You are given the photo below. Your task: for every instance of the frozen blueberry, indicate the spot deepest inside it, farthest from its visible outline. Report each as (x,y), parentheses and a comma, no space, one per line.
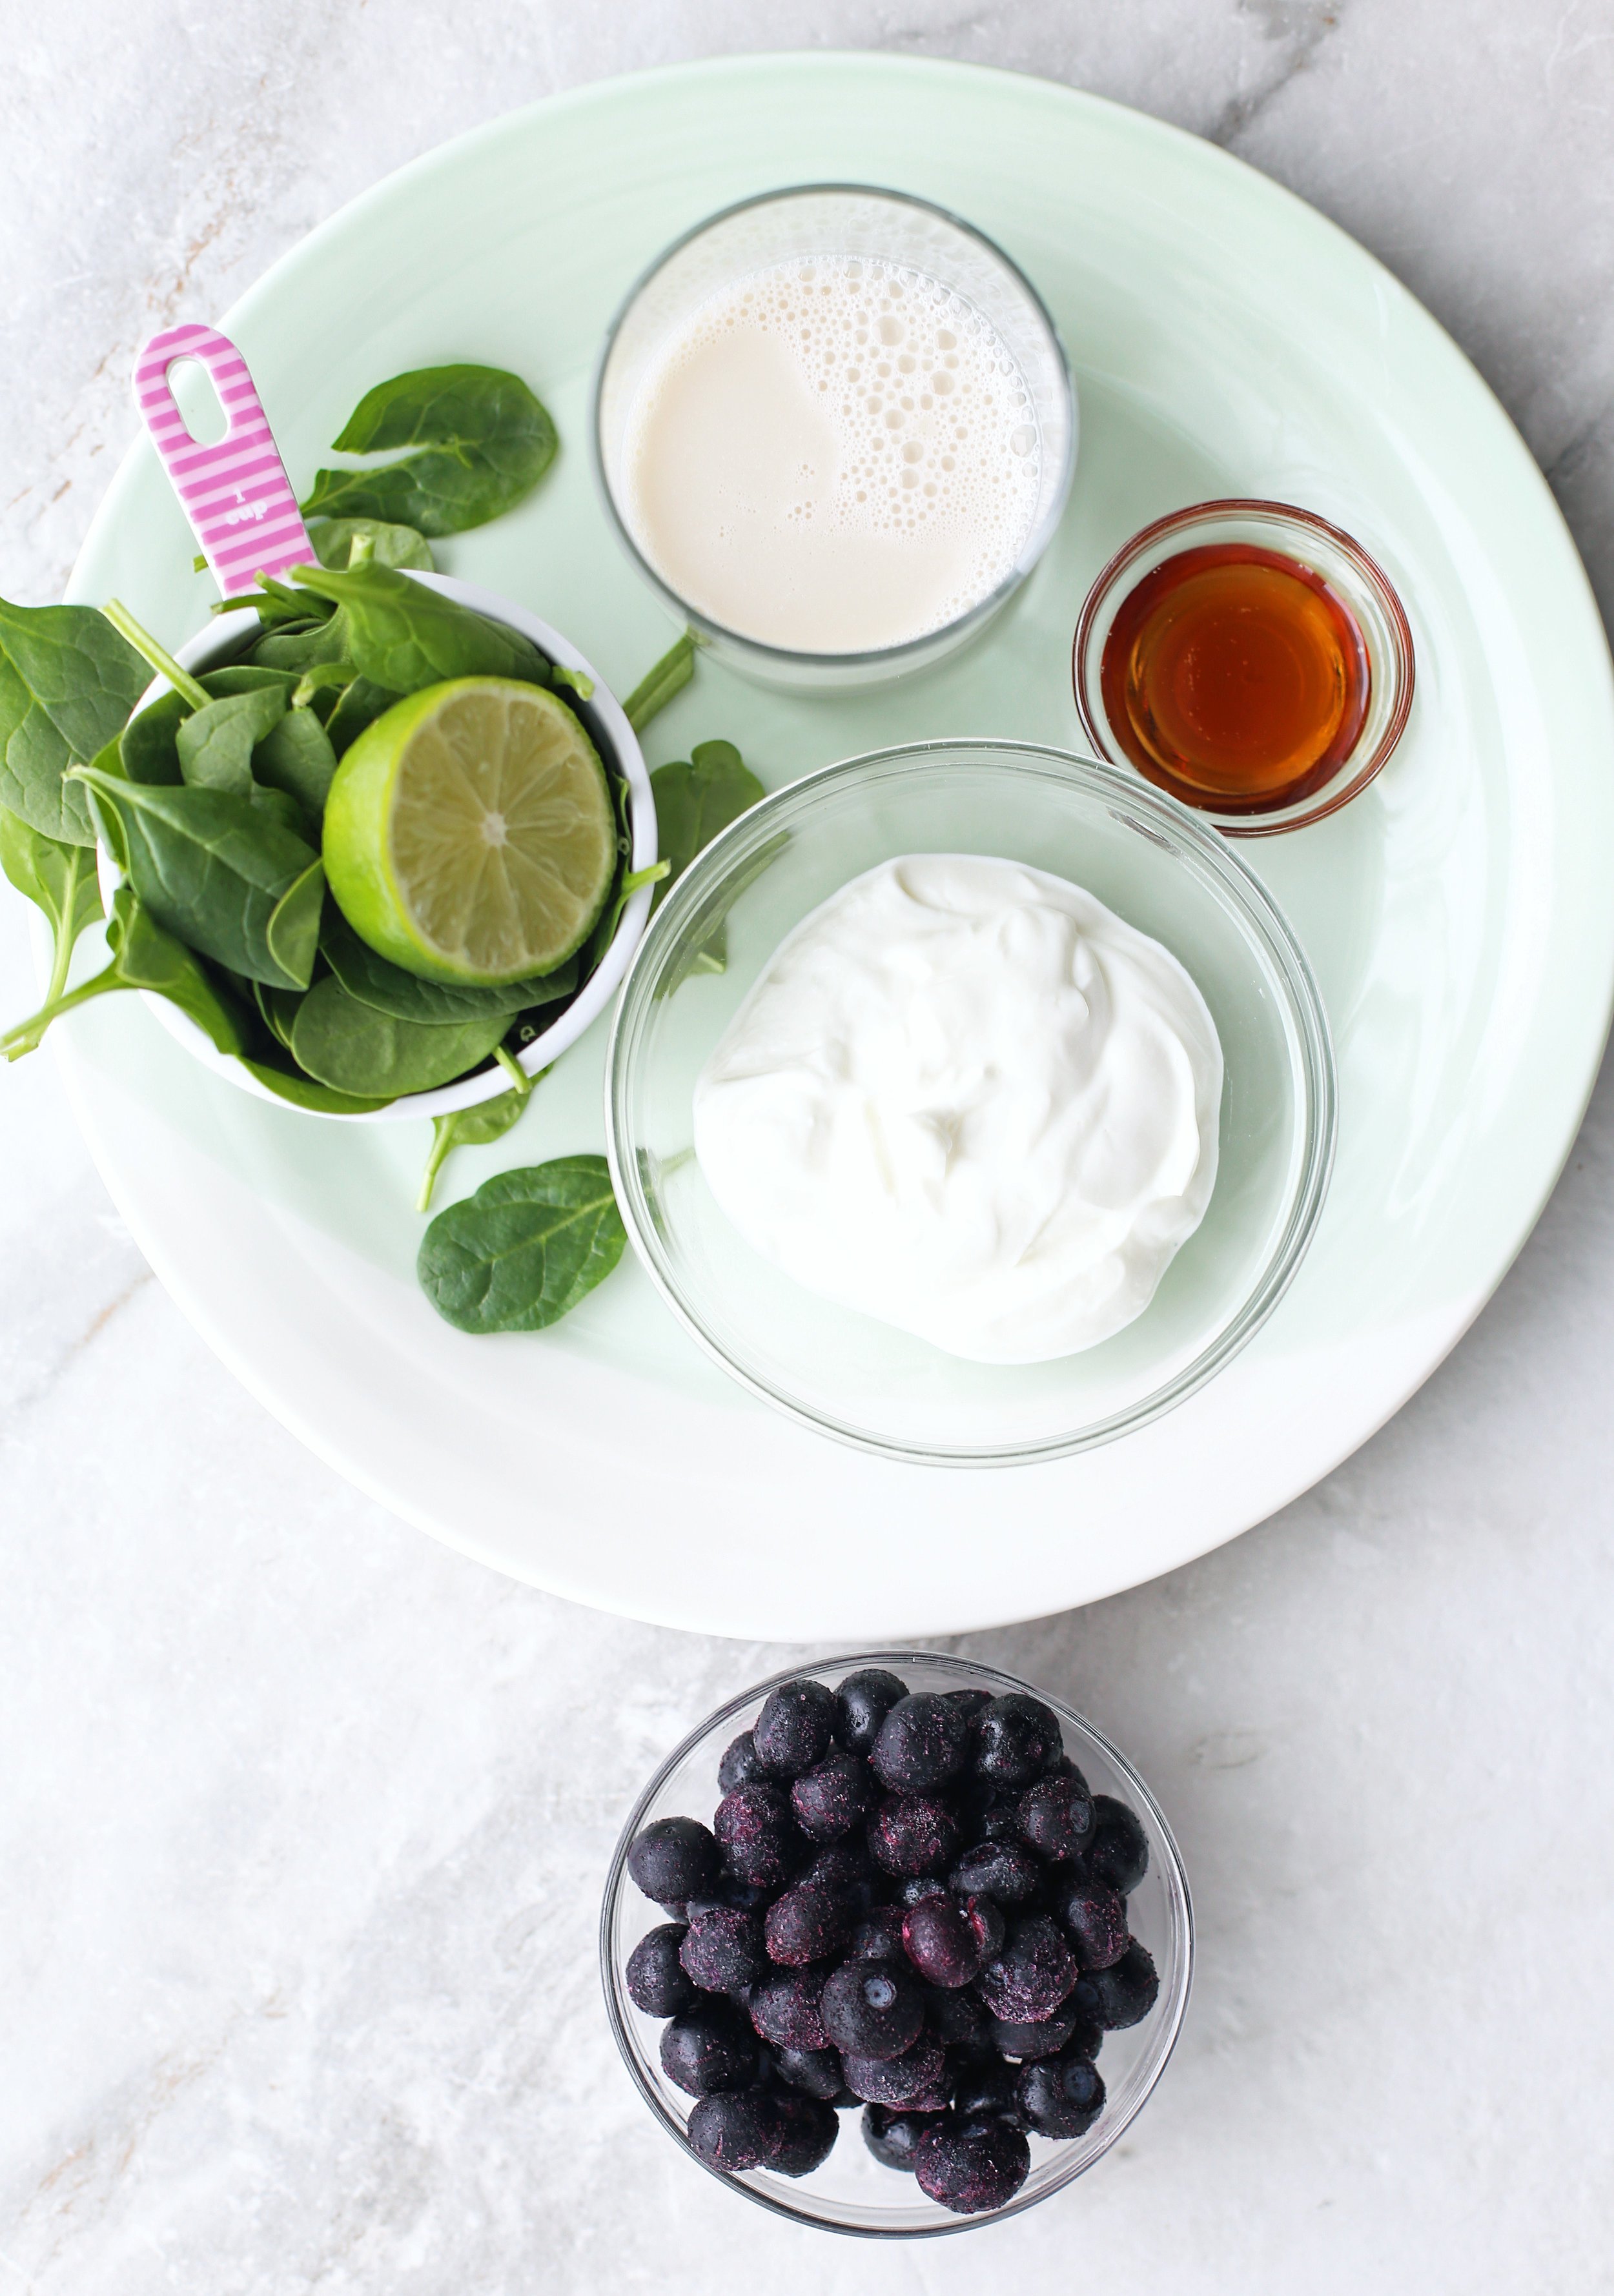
(829,1799)
(737,2129)
(1060,2096)
(1045,2037)
(972,2166)
(808,2129)
(1118,1851)
(673,1860)
(1095,1916)
(987,2091)
(893,2137)
(922,1741)
(657,1980)
(709,2047)
(999,1824)
(862,1704)
(1004,1870)
(913,1833)
(808,1923)
(972,1704)
(729,1894)
(1015,1739)
(758,1836)
(1122,1995)
(791,1735)
(918,1887)
(950,1940)
(783,2004)
(957,2018)
(722,1950)
(844,1866)
(741,1765)
(817,2072)
(1032,1975)
(878,1937)
(912,2079)
(937,2092)
(873,2008)
(1056,1814)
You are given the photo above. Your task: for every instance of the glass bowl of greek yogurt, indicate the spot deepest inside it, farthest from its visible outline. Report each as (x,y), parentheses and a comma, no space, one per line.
(970,1102)
(834,428)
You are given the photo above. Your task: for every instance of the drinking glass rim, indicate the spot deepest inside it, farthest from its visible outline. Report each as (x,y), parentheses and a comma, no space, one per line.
(1035,543)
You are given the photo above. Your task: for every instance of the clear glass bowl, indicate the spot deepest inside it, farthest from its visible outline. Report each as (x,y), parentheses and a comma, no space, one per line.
(815,220)
(852,2192)
(1349,570)
(1158,866)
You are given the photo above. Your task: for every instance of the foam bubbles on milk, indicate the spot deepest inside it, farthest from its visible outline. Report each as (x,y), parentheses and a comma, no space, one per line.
(935,445)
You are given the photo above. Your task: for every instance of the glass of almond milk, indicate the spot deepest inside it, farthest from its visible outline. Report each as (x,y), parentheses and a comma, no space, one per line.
(835,429)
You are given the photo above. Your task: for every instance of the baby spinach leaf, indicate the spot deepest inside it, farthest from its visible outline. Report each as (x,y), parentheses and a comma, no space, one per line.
(60,880)
(387,987)
(299,647)
(525,1249)
(470,1128)
(143,957)
(326,680)
(391,546)
(278,806)
(358,705)
(296,756)
(404,636)
(289,1084)
(694,802)
(355,1049)
(148,747)
(293,932)
(658,684)
(248,677)
(231,882)
(215,744)
(67,681)
(483,441)
(277,1010)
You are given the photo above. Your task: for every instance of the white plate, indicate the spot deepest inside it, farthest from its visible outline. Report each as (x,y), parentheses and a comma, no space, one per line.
(1226,340)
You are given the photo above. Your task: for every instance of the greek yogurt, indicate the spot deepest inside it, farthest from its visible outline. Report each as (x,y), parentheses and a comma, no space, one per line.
(966,1098)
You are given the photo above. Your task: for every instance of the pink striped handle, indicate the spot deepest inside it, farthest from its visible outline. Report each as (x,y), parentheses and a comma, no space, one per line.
(235,492)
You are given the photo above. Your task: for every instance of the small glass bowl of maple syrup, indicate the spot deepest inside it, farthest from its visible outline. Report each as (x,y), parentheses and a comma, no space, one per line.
(1249,658)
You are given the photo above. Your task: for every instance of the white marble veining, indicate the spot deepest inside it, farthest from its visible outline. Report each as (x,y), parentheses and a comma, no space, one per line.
(302,1819)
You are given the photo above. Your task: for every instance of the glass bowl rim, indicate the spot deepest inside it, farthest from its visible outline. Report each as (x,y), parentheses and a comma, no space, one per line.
(1262,919)
(917,649)
(1174,1874)
(1347,782)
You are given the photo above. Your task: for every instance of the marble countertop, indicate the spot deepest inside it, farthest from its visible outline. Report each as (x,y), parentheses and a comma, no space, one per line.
(302,1817)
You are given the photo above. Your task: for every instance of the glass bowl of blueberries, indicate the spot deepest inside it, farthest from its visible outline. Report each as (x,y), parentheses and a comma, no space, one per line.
(925,1963)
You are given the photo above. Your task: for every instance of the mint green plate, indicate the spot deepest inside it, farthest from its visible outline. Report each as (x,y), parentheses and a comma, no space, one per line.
(1226,340)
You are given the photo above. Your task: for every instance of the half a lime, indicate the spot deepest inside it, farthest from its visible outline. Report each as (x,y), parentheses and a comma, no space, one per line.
(469,833)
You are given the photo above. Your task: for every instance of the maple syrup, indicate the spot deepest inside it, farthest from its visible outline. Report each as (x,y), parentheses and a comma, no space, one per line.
(1235,678)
